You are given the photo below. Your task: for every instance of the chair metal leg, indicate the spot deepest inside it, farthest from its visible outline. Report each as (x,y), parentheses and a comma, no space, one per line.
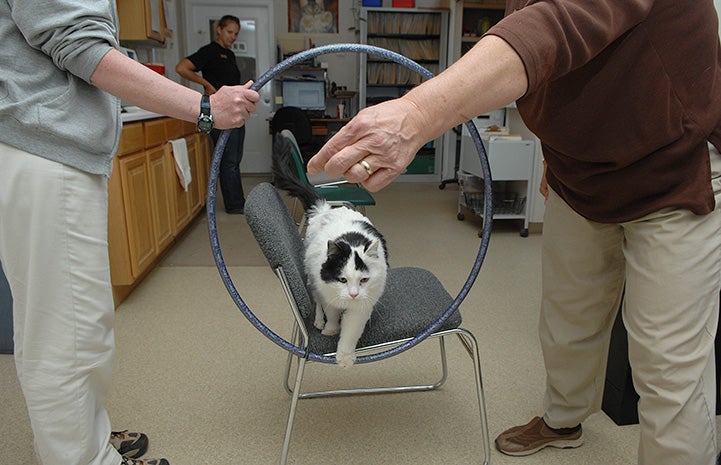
(291,413)
(471,344)
(295,338)
(466,338)
(377,390)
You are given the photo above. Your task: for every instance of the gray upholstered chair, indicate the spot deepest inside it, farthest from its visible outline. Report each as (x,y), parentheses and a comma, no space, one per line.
(414,298)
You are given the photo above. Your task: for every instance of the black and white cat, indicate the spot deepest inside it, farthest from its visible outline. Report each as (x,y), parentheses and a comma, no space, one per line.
(346,260)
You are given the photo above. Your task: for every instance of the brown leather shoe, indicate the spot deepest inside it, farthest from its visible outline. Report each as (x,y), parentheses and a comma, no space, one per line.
(534,436)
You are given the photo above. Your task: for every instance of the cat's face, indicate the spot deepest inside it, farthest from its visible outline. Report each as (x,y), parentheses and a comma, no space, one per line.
(356,271)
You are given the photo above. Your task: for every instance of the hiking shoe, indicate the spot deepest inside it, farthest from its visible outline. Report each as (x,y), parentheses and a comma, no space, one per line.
(131,445)
(129,461)
(534,436)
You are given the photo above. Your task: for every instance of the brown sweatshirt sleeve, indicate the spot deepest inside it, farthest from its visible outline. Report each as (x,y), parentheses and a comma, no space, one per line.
(554,37)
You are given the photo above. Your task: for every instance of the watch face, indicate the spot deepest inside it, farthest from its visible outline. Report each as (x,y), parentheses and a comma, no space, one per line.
(205,123)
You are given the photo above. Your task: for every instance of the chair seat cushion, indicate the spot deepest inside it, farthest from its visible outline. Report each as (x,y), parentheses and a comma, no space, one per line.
(413,299)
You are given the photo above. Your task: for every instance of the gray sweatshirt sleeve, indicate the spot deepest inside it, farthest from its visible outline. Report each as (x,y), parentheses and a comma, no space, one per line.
(76,34)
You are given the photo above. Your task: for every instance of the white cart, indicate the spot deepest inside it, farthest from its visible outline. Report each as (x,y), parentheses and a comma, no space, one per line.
(511,163)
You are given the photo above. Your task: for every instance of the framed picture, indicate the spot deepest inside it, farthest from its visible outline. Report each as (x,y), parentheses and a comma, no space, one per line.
(314,16)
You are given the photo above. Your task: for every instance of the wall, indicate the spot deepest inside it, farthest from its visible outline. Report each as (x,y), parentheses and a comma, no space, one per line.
(343,68)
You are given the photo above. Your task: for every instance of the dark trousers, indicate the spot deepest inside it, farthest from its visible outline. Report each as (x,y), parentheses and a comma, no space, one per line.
(230,184)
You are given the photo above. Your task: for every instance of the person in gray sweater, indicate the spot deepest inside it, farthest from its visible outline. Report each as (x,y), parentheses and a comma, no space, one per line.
(61,75)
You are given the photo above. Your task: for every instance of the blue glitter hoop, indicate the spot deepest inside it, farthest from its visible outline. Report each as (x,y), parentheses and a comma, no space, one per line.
(213,232)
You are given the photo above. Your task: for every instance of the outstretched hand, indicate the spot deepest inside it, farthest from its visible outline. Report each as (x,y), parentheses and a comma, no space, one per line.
(375,147)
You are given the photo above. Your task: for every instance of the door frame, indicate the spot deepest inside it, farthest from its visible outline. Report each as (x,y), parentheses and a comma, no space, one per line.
(267,96)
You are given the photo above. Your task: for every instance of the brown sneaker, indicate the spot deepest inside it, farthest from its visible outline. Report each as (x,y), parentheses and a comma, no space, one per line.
(534,436)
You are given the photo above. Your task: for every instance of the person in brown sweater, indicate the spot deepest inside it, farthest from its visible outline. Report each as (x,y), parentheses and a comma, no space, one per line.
(625,98)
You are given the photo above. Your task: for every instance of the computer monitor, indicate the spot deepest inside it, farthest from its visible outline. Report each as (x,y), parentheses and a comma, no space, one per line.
(307,95)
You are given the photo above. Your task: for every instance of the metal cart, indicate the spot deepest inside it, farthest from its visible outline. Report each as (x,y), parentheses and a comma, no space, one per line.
(511,163)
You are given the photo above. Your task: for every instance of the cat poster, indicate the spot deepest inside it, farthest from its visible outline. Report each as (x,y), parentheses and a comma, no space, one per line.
(316,16)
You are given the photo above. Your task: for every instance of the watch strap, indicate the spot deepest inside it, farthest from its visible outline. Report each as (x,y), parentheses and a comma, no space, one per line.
(205,119)
(205,104)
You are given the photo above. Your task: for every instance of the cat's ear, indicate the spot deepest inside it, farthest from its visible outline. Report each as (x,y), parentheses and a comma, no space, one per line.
(333,248)
(372,250)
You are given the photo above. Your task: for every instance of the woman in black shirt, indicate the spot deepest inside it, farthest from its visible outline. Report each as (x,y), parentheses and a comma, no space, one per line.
(216,63)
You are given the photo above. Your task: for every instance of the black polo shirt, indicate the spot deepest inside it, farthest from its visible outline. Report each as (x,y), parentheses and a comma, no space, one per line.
(217,65)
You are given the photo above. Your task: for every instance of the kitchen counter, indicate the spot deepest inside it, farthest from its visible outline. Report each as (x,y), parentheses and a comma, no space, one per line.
(133,113)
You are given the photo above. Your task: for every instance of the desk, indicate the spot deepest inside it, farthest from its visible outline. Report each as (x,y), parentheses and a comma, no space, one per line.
(323,126)
(319,126)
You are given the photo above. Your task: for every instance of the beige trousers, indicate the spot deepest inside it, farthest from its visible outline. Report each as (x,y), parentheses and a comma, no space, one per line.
(54,250)
(670,264)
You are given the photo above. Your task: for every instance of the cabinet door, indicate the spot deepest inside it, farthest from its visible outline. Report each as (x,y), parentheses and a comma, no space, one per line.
(161,196)
(121,273)
(182,200)
(135,179)
(141,20)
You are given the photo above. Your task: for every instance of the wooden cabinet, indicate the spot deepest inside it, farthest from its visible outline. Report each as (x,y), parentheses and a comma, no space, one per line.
(161,170)
(147,206)
(182,198)
(135,183)
(141,20)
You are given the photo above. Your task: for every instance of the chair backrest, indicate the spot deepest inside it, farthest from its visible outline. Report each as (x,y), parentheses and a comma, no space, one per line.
(294,119)
(277,234)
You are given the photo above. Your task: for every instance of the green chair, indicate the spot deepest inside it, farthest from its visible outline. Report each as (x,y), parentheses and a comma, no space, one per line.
(336,192)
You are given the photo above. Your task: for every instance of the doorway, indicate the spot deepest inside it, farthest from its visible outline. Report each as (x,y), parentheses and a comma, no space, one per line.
(254,52)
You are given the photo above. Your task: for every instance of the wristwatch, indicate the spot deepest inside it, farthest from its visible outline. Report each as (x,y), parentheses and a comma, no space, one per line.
(205,119)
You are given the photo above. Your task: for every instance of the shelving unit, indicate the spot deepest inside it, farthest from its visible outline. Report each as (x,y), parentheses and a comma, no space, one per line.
(477,18)
(511,163)
(421,35)
(468,21)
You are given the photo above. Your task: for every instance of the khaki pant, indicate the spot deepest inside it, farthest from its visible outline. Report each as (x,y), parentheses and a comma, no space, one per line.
(54,250)
(670,264)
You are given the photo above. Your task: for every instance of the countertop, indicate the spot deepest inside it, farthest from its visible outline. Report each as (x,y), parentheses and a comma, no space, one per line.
(132,113)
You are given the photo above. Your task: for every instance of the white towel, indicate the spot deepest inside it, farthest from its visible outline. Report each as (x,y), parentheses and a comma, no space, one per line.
(182,166)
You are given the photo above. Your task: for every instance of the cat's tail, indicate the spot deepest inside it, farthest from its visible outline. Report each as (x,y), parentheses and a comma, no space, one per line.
(286,177)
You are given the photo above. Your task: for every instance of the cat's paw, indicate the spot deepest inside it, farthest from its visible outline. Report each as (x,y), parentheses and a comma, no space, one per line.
(345,359)
(319,324)
(330,330)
